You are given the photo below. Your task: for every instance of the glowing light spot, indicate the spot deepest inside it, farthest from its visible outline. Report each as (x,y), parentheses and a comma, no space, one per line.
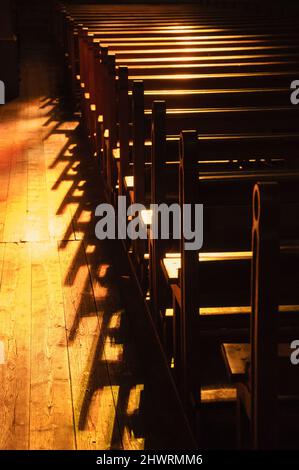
(90,249)
(115,320)
(112,352)
(134,399)
(103,269)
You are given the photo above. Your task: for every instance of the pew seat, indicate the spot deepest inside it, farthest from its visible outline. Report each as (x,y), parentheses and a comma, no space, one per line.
(171,264)
(237,360)
(220,394)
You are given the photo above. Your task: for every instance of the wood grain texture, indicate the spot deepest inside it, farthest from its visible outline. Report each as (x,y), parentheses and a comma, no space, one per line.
(113,343)
(94,408)
(15,331)
(51,414)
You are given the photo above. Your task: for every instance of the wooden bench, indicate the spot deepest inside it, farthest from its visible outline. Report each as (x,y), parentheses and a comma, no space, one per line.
(267,382)
(206,300)
(109,164)
(139,72)
(218,172)
(190,87)
(135,160)
(135,51)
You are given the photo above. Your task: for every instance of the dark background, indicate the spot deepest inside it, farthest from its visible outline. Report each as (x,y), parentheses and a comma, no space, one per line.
(35,15)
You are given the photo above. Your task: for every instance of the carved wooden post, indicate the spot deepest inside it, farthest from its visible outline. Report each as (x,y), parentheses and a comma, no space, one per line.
(123,109)
(110,124)
(138,141)
(139,160)
(264,317)
(100,70)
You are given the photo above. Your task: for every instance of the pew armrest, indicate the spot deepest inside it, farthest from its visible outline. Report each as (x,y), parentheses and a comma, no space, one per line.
(237,360)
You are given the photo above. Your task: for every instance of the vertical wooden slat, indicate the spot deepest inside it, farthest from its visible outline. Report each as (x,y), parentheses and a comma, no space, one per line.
(158,196)
(123,125)
(189,279)
(110,96)
(264,318)
(138,141)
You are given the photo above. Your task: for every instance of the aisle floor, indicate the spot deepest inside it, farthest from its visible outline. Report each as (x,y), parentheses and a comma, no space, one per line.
(74,375)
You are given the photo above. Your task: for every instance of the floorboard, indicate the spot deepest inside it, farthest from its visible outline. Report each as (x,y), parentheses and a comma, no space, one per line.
(15,331)
(51,411)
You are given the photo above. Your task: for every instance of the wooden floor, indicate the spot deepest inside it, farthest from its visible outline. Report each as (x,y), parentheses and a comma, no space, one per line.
(78,372)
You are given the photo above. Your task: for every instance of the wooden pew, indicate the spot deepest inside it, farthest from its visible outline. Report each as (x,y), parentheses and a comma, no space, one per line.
(156,82)
(134,41)
(198,64)
(206,120)
(166,54)
(134,173)
(125,165)
(180,99)
(267,382)
(231,181)
(109,165)
(220,172)
(223,299)
(195,87)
